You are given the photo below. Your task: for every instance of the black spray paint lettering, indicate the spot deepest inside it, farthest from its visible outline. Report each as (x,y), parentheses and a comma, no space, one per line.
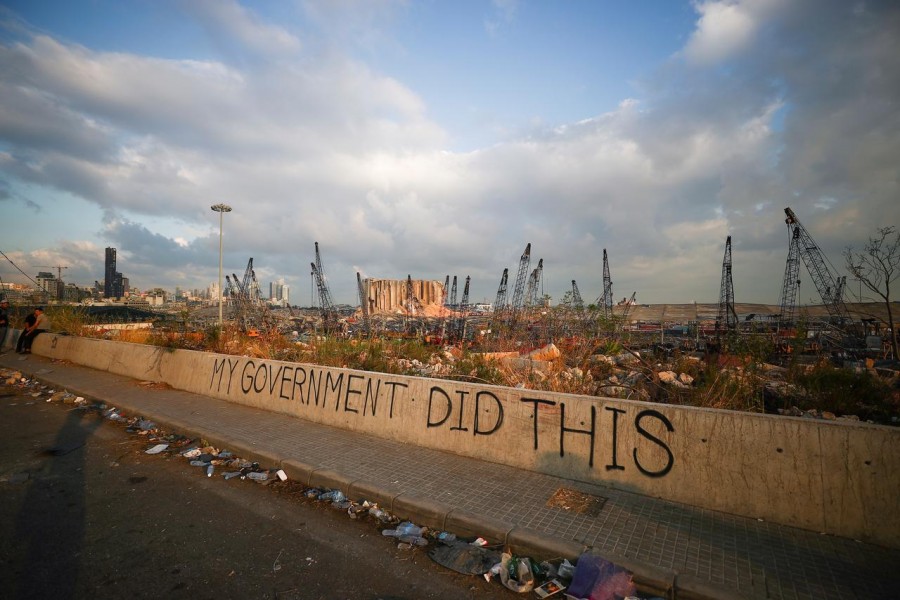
(219,367)
(615,466)
(483,402)
(591,433)
(637,423)
(394,385)
(360,394)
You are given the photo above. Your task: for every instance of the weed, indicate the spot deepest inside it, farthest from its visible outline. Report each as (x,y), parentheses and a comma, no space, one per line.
(844,392)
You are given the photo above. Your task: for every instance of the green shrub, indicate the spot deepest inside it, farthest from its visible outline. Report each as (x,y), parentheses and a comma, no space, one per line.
(844,392)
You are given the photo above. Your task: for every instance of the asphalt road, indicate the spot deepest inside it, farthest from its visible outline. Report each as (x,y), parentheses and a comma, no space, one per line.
(85,513)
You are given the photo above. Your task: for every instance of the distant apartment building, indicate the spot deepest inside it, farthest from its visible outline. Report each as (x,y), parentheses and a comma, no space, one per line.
(279,293)
(49,285)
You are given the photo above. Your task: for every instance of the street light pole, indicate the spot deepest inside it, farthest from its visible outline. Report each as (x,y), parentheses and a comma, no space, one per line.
(221,209)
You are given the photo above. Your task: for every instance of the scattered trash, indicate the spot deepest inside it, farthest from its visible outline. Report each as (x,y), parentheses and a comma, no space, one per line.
(257,476)
(464,558)
(413,540)
(145,424)
(231,475)
(598,579)
(280,472)
(515,573)
(191,453)
(403,529)
(209,470)
(381,515)
(199,463)
(333,495)
(156,449)
(550,588)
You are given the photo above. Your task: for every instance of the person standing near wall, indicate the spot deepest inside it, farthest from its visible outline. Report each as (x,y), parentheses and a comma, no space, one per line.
(4,321)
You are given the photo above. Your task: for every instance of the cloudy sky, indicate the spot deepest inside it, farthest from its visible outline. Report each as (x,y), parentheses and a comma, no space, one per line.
(433,138)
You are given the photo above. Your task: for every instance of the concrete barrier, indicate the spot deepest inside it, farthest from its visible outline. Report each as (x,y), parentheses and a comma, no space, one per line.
(841,478)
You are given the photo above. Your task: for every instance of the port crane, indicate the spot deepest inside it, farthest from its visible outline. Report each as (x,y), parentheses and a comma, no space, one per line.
(606,301)
(726,318)
(326,305)
(828,284)
(519,289)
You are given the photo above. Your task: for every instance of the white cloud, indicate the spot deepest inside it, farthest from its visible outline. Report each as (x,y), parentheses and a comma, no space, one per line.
(726,28)
(309,145)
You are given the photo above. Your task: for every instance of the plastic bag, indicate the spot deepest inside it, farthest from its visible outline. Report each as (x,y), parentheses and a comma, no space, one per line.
(515,573)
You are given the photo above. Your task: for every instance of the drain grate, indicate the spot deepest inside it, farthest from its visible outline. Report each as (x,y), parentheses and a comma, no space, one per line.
(577,502)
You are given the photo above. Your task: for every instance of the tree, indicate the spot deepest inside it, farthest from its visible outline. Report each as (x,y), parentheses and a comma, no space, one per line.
(876,267)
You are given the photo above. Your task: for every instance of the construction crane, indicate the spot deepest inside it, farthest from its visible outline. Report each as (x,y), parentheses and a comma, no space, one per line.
(459,329)
(628,304)
(726,318)
(250,285)
(519,289)
(445,290)
(453,294)
(534,284)
(500,300)
(579,316)
(246,299)
(326,304)
(830,286)
(363,302)
(412,304)
(606,301)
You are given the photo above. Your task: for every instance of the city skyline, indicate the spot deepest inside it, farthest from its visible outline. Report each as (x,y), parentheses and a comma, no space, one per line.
(426,139)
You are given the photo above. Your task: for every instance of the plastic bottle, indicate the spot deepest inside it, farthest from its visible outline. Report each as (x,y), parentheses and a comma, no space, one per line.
(405,528)
(379,514)
(414,540)
(255,476)
(333,495)
(199,463)
(209,470)
(231,474)
(445,536)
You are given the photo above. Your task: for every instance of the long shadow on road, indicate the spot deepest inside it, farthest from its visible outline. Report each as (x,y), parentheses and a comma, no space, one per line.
(50,527)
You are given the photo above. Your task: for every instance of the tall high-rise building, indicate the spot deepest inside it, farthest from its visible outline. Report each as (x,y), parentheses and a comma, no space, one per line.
(279,292)
(114,285)
(109,271)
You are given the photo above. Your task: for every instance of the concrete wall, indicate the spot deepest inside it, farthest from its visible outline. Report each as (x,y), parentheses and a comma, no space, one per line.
(836,477)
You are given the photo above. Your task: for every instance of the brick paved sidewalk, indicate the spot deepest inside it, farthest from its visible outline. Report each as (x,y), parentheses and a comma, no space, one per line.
(706,553)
